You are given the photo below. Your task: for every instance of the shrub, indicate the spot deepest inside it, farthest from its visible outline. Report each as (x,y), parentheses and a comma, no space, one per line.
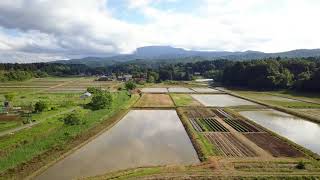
(301,165)
(40,106)
(130,85)
(94,90)
(72,119)
(100,101)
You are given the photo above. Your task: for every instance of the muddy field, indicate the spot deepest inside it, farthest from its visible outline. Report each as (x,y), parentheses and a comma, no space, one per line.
(229,145)
(273,145)
(155,100)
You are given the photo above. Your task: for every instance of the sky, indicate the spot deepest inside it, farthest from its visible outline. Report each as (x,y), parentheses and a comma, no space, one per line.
(34,30)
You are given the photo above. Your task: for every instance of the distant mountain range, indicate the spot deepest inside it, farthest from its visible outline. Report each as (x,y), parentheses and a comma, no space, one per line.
(167,53)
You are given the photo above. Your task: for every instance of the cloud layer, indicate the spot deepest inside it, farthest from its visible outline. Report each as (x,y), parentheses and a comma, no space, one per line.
(53,29)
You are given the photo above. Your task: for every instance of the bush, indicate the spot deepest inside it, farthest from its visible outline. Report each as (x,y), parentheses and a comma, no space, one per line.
(130,85)
(72,119)
(94,90)
(301,165)
(40,106)
(100,101)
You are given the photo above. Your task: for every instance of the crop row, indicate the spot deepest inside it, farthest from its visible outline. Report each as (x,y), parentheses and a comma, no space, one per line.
(241,126)
(229,145)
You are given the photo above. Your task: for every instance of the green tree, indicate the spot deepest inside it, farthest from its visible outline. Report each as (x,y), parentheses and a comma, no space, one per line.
(72,119)
(40,106)
(94,90)
(100,101)
(130,85)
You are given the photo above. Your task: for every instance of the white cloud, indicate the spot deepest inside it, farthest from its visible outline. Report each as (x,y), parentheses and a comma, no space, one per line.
(68,28)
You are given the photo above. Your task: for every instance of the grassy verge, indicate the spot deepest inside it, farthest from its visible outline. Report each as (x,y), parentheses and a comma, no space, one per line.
(28,150)
(6,125)
(203,148)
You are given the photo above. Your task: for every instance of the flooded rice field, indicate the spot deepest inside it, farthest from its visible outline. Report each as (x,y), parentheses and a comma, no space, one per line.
(180,90)
(300,131)
(141,138)
(154,90)
(205,90)
(220,100)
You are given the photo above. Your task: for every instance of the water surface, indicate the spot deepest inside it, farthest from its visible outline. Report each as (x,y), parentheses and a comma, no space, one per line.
(141,138)
(300,131)
(220,100)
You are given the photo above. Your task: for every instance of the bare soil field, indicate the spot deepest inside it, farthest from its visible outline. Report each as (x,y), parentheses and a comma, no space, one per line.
(155,100)
(275,146)
(229,145)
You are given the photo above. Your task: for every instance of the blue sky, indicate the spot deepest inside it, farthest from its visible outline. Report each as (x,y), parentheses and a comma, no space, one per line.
(60,29)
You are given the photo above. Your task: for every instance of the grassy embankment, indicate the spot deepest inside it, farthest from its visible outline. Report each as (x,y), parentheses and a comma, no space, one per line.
(28,149)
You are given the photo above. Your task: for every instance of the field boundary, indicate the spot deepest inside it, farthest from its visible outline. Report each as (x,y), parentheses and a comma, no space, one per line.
(118,116)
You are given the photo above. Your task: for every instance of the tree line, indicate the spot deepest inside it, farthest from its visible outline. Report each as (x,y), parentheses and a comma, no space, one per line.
(301,74)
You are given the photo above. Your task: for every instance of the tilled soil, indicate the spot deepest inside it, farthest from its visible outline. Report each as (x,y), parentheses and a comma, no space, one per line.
(275,146)
(229,145)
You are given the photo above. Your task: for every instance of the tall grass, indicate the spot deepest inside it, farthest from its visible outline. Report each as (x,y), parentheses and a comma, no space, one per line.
(52,133)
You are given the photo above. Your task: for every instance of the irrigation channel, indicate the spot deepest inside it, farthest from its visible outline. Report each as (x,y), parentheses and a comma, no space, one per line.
(141,138)
(300,131)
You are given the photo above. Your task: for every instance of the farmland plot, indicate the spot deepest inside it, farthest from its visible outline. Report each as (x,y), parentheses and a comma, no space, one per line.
(205,90)
(198,113)
(154,90)
(241,125)
(180,90)
(275,146)
(229,145)
(155,100)
(220,100)
(141,138)
(298,130)
(184,100)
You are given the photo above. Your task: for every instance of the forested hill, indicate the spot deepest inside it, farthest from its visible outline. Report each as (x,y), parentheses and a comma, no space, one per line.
(167,54)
